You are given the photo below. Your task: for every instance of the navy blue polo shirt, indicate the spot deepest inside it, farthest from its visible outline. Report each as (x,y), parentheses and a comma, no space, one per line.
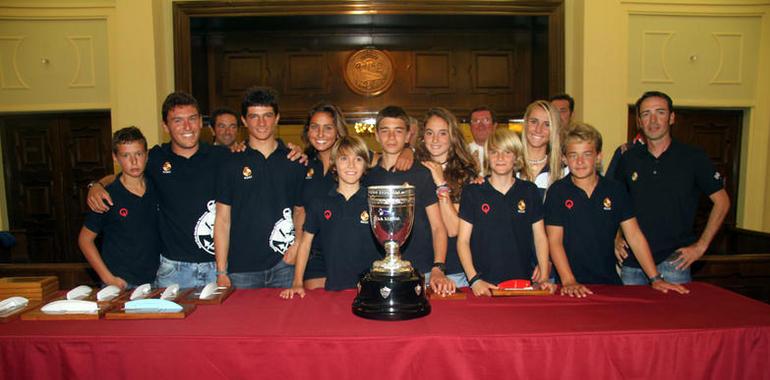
(186,189)
(590,225)
(262,193)
(129,229)
(502,241)
(418,248)
(317,185)
(341,227)
(665,192)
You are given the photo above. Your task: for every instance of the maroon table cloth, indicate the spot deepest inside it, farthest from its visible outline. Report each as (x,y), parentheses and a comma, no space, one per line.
(620,332)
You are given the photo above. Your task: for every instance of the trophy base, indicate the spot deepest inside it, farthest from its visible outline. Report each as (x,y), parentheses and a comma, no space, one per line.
(391,298)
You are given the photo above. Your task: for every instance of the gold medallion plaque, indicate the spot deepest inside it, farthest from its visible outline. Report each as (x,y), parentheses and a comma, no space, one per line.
(369,72)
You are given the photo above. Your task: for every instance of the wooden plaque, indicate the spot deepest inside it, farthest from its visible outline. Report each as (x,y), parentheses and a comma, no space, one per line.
(9,316)
(119,313)
(38,315)
(457,295)
(193,295)
(518,292)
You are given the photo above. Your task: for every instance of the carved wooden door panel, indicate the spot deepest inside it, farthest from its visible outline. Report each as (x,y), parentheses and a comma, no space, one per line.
(48,161)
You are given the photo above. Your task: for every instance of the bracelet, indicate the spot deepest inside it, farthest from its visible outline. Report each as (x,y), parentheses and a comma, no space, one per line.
(222,273)
(443,189)
(440,266)
(94,183)
(657,277)
(473,279)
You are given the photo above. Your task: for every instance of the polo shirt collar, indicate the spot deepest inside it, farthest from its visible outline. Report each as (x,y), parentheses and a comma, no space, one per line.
(597,190)
(281,148)
(203,149)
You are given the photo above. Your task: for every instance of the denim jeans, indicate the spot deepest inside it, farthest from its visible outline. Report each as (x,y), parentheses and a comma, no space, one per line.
(459,279)
(279,276)
(636,276)
(187,275)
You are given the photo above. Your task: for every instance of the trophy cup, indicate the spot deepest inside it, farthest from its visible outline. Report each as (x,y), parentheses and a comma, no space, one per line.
(392,289)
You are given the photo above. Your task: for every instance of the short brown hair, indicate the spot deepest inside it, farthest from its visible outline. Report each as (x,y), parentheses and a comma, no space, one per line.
(127,135)
(349,143)
(394,112)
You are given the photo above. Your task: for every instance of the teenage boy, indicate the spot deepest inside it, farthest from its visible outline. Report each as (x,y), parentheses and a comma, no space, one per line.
(259,214)
(582,214)
(426,245)
(665,179)
(181,171)
(339,222)
(130,241)
(184,173)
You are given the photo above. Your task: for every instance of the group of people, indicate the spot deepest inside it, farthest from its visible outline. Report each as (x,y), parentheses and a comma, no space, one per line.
(264,214)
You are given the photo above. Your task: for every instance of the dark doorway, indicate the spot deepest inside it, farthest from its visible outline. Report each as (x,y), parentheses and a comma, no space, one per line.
(718,132)
(49,159)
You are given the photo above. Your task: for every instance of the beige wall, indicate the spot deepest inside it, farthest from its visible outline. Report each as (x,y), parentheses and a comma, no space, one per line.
(604,67)
(703,53)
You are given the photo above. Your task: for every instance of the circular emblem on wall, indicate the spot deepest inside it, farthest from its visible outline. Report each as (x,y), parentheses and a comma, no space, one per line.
(369,72)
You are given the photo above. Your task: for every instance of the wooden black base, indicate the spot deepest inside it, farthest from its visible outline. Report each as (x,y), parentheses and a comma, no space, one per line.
(391,298)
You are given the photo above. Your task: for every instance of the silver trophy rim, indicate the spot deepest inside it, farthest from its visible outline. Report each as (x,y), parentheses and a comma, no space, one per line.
(388,187)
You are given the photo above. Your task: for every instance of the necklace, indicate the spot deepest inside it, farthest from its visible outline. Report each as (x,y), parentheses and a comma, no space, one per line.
(538,161)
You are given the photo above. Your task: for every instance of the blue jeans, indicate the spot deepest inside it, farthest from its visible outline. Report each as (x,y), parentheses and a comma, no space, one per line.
(187,275)
(459,278)
(279,276)
(636,276)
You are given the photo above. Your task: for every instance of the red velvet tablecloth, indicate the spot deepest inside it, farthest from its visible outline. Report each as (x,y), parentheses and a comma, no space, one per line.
(620,332)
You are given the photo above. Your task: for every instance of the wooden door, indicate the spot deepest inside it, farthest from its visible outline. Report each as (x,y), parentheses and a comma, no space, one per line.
(718,132)
(48,161)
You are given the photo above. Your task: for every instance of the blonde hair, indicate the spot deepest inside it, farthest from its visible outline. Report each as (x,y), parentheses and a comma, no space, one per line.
(350,144)
(504,140)
(582,132)
(554,143)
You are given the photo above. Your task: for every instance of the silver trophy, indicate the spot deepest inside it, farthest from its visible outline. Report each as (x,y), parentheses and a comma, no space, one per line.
(392,215)
(392,290)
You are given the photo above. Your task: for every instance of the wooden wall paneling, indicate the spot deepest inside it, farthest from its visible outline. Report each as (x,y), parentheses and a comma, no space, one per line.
(432,72)
(336,42)
(306,74)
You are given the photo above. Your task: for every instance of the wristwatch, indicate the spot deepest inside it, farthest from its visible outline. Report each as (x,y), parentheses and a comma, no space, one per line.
(440,266)
(94,183)
(657,277)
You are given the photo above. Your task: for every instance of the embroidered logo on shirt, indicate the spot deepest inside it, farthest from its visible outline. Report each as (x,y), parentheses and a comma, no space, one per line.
(283,232)
(634,176)
(166,167)
(204,228)
(717,176)
(328,214)
(607,204)
(309,173)
(364,217)
(246,172)
(123,212)
(485,208)
(569,204)
(522,206)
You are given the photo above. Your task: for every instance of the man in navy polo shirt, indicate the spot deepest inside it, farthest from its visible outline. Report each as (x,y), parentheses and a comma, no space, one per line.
(181,171)
(259,213)
(130,242)
(665,179)
(582,214)
(426,245)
